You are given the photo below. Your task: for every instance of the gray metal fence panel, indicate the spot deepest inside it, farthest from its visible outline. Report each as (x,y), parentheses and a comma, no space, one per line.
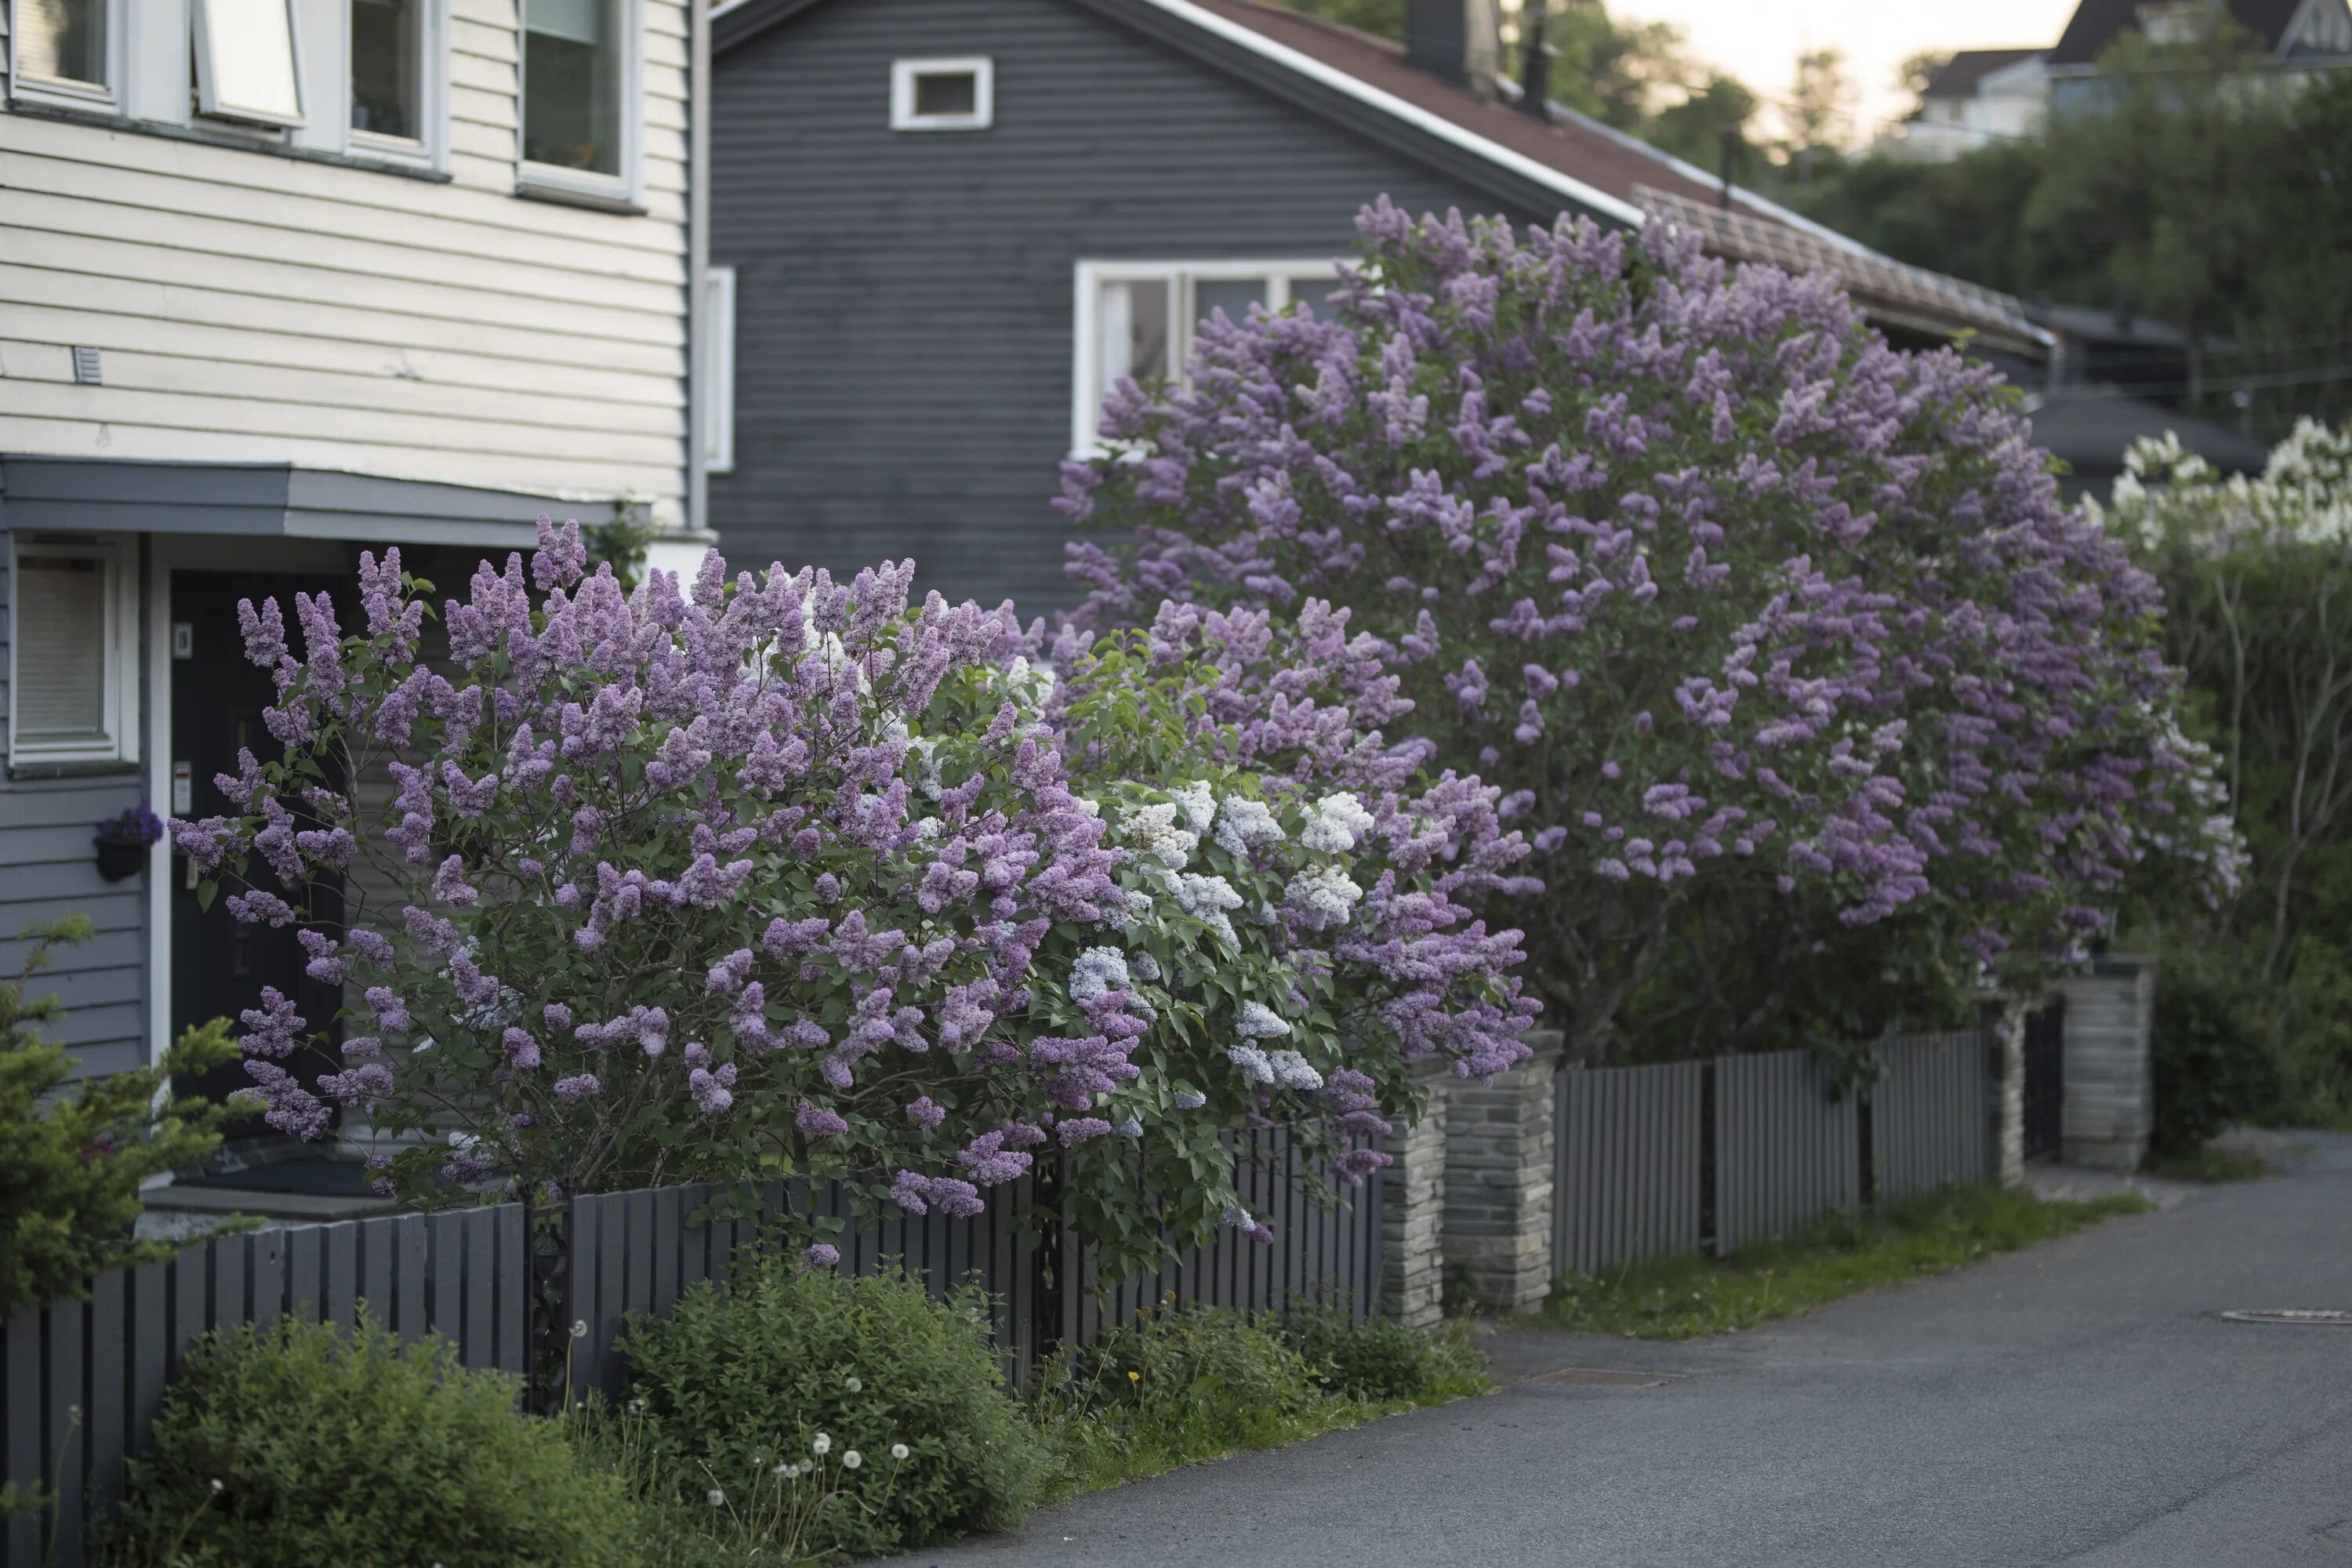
(1931,1112)
(1786,1153)
(1628,1142)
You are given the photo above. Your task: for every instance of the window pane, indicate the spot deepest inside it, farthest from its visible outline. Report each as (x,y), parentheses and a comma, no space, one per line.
(1234,296)
(63,40)
(1313,290)
(571,84)
(1134,330)
(249,51)
(947,95)
(62,655)
(384,78)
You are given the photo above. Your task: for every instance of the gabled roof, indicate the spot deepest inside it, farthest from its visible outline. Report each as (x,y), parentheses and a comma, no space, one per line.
(2098,23)
(1958,76)
(1567,157)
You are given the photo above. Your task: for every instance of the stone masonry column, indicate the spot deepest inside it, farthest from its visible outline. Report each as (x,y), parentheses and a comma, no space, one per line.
(1499,1174)
(1413,1219)
(2110,1107)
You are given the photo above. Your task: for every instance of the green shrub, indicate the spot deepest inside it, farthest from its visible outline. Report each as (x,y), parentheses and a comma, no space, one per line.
(1177,1385)
(2209,1052)
(802,1368)
(302,1444)
(72,1160)
(1382,1359)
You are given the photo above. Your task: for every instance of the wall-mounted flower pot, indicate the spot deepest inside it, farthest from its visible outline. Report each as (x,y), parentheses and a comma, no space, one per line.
(116,861)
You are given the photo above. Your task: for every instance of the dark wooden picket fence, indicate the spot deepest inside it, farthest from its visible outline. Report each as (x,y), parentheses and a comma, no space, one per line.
(1739,1148)
(82,1382)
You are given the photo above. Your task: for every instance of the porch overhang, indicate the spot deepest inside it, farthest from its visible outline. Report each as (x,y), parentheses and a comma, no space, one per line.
(273,501)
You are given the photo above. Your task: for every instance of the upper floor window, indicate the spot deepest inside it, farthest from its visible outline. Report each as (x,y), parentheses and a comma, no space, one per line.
(246,61)
(581,65)
(64,47)
(388,69)
(1138,318)
(943,94)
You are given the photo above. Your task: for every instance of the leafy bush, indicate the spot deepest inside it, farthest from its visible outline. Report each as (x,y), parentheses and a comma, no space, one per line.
(887,1407)
(72,1160)
(1381,1360)
(2257,573)
(744,879)
(2209,1052)
(1815,693)
(303,1444)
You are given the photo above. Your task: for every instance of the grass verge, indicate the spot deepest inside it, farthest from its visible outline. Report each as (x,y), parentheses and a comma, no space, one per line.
(2209,1163)
(1182,1388)
(1689,1297)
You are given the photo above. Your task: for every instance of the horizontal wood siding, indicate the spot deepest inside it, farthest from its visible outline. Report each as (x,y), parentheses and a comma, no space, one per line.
(904,301)
(253,307)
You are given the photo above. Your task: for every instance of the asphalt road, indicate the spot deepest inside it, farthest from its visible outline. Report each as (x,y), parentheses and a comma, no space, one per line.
(2078,1403)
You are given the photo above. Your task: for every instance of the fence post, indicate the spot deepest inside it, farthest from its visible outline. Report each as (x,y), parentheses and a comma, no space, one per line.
(546,1242)
(2009,1030)
(2110,1104)
(1501,1166)
(1413,1219)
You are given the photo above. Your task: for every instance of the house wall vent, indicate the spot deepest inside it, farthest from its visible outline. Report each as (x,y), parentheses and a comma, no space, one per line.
(86,366)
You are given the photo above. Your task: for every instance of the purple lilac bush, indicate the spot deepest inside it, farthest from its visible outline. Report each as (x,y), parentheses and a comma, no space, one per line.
(780,876)
(1813,694)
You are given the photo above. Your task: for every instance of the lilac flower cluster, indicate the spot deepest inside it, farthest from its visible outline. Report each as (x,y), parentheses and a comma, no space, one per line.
(1749,611)
(725,877)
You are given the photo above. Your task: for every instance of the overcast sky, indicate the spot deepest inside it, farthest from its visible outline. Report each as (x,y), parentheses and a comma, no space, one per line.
(1758,40)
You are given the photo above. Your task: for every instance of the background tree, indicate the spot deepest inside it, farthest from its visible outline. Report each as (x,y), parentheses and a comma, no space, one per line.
(1816,118)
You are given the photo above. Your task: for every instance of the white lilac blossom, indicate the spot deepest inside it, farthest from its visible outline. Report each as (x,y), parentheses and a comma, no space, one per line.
(1190,1100)
(1256,1021)
(1097,972)
(1207,899)
(1243,822)
(1200,803)
(1143,966)
(1152,830)
(1253,1062)
(1291,1070)
(1334,823)
(1322,896)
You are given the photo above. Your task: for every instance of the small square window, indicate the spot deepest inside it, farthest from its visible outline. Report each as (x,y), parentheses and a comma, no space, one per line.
(68,698)
(943,94)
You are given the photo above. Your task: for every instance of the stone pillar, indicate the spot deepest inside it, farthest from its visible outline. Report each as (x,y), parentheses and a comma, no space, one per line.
(2009,1025)
(1412,1220)
(2110,1105)
(1499,1173)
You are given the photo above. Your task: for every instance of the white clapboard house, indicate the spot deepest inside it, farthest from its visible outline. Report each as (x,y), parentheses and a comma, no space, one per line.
(281,280)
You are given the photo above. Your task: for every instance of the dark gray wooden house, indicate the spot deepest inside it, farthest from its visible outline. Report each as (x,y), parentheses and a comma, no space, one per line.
(943,227)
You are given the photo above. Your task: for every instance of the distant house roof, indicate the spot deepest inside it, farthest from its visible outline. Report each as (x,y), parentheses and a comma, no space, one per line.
(1578,160)
(2098,23)
(2093,427)
(1958,76)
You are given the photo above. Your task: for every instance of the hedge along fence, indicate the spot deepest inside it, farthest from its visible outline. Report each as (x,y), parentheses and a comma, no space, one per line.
(1727,1152)
(82,1382)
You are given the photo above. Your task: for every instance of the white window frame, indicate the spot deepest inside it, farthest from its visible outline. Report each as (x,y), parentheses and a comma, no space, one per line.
(981,68)
(430,151)
(121,682)
(1085,396)
(580,184)
(718,328)
(208,101)
(54,92)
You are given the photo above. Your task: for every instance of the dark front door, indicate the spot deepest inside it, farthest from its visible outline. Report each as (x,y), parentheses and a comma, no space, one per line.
(219,964)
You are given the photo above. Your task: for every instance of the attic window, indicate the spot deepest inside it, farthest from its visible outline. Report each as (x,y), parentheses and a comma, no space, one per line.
(943,94)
